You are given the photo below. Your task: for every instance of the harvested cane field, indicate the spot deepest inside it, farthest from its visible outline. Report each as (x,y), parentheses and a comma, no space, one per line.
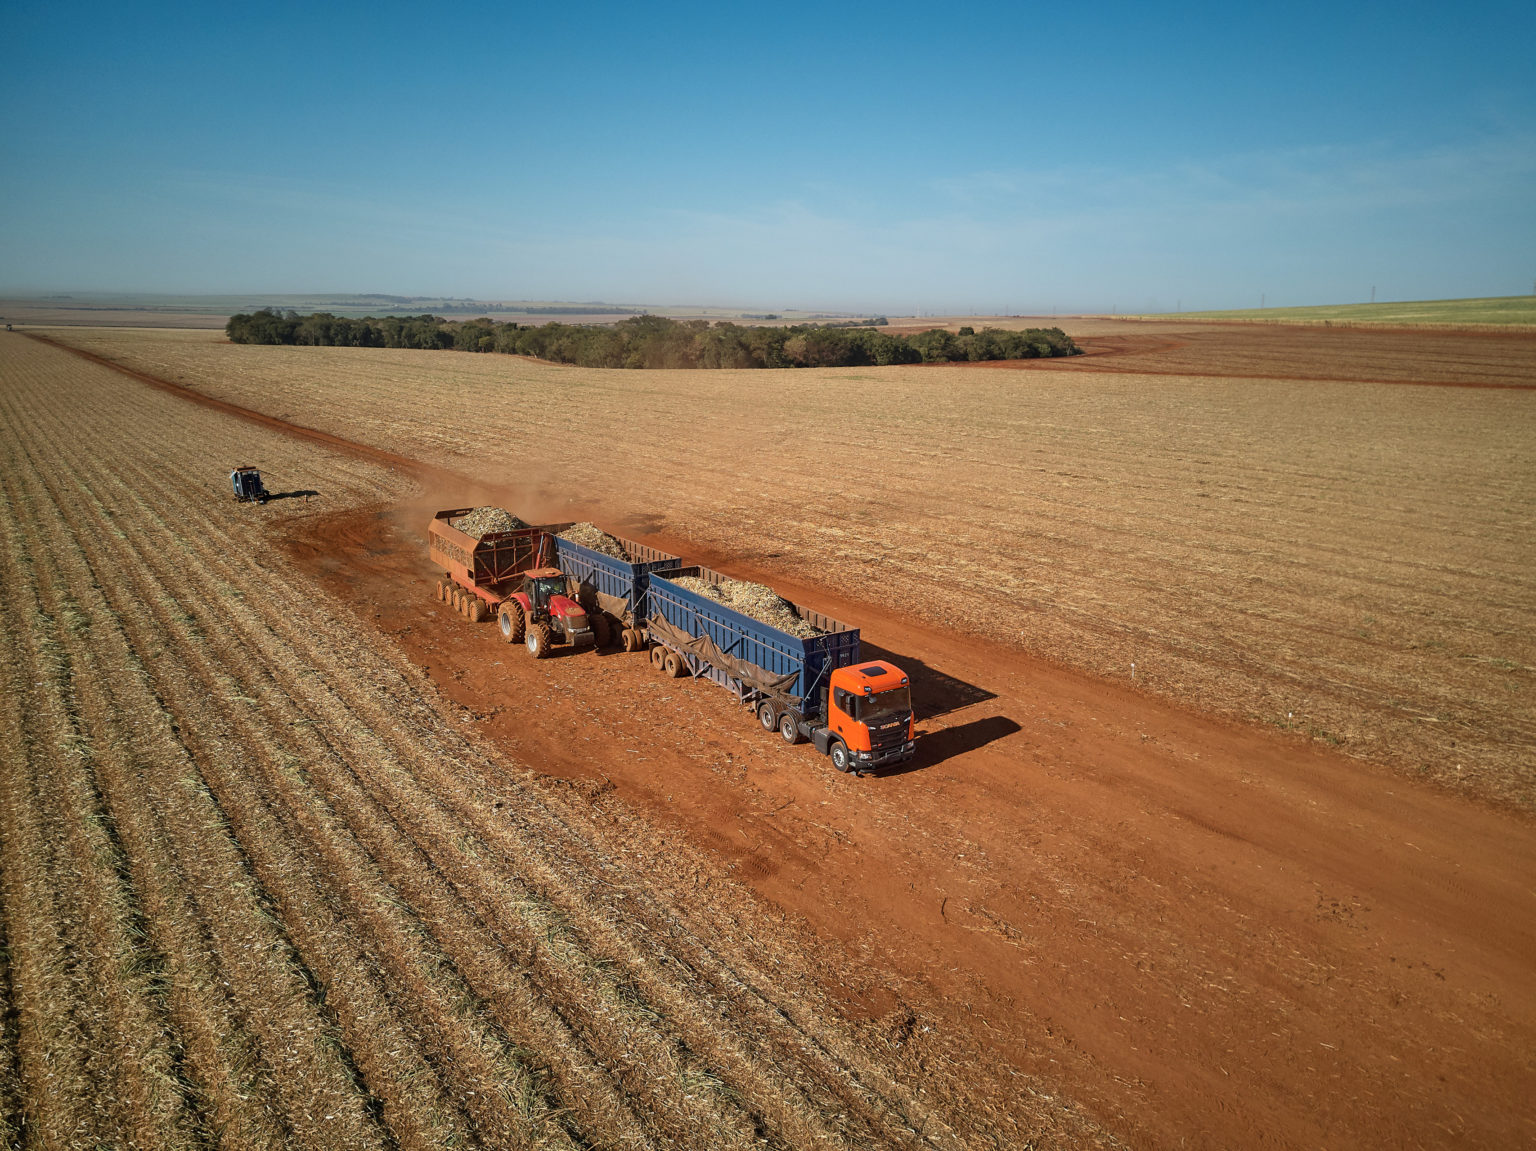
(263,886)
(1274,890)
(1234,511)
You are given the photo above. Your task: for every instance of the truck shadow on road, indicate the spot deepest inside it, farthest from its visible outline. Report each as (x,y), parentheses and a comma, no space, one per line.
(934,692)
(936,746)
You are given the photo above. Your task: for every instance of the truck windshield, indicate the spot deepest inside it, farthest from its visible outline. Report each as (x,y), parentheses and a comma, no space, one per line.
(885,705)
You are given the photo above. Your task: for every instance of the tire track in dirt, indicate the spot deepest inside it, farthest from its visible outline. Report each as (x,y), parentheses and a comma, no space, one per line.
(155,546)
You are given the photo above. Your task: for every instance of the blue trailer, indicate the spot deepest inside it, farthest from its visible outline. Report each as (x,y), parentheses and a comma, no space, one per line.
(816,688)
(616,587)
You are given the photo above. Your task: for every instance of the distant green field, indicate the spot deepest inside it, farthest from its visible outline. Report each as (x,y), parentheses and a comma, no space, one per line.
(1494,310)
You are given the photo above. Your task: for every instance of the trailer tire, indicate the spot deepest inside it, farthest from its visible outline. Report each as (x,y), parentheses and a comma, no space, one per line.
(442,590)
(672,665)
(537,640)
(789,728)
(510,620)
(476,610)
(840,757)
(767,716)
(632,640)
(600,633)
(657,655)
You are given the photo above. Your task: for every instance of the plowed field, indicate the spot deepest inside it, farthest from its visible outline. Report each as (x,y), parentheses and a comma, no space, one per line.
(264,887)
(1207,933)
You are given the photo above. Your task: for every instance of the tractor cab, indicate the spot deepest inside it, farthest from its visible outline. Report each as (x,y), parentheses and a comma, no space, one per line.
(248,486)
(542,586)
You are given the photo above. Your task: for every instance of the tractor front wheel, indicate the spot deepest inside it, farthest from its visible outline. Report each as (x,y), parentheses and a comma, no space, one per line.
(538,640)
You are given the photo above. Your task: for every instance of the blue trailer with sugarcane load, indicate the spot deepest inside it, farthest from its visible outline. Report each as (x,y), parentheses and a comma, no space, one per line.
(858,712)
(612,588)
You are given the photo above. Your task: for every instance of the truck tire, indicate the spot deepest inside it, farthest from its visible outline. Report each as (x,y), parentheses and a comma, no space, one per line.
(672,665)
(658,654)
(840,757)
(510,620)
(476,610)
(537,640)
(789,728)
(600,633)
(767,716)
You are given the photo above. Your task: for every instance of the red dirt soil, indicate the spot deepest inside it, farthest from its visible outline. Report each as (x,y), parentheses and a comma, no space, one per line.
(1211,936)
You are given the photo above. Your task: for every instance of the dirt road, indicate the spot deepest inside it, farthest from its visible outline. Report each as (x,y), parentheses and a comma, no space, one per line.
(1211,935)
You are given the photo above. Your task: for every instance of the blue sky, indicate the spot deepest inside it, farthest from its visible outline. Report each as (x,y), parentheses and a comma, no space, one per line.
(891,157)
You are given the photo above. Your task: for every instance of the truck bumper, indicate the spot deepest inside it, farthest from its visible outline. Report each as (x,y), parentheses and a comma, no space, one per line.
(898,754)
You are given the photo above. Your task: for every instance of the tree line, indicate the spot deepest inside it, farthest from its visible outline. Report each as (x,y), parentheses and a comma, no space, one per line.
(654,341)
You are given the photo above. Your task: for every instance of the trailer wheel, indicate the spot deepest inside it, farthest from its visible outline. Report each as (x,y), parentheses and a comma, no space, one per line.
(476,610)
(788,728)
(538,640)
(510,620)
(657,655)
(767,716)
(672,665)
(600,632)
(632,640)
(440,591)
(840,758)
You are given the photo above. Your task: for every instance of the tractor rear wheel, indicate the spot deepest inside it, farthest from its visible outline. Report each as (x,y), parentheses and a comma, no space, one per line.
(538,640)
(510,620)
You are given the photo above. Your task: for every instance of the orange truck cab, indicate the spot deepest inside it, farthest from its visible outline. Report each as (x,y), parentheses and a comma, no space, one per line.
(868,717)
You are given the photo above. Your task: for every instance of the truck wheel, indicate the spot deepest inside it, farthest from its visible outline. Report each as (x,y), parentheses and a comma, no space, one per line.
(767,716)
(510,620)
(476,610)
(840,757)
(538,640)
(672,665)
(788,728)
(600,632)
(657,655)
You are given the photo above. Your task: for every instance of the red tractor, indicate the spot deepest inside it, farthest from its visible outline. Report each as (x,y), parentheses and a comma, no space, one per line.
(541,615)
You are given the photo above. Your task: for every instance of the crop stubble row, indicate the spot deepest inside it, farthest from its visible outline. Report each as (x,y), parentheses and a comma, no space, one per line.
(1354,557)
(340,933)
